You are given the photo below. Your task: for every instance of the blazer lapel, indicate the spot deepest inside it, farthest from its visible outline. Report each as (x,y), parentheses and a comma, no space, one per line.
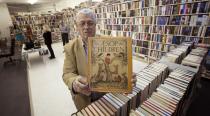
(82,58)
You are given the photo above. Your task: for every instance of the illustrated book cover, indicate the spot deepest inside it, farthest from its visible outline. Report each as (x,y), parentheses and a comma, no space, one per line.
(110,64)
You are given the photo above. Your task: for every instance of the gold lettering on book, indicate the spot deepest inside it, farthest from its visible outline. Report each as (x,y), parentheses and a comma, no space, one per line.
(110,46)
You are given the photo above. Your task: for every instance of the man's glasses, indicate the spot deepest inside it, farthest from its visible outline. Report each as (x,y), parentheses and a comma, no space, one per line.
(89,23)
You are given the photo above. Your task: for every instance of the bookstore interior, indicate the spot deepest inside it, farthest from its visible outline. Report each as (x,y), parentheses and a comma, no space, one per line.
(164,45)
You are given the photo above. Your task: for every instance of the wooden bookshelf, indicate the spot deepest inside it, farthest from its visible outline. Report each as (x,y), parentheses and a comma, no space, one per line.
(162,23)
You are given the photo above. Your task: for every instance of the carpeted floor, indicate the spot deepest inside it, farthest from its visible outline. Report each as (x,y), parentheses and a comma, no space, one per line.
(14,95)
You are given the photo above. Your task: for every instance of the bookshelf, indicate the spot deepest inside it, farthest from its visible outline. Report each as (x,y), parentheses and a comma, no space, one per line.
(156,26)
(37,20)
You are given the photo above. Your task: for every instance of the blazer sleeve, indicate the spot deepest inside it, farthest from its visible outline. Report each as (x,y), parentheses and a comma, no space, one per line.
(70,72)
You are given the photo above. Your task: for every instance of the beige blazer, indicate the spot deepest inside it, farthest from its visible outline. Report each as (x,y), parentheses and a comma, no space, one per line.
(75,64)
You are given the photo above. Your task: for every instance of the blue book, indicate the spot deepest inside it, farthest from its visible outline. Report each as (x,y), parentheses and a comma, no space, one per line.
(207,34)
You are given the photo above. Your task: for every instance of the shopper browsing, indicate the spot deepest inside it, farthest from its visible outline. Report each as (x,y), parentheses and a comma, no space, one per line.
(64,33)
(48,40)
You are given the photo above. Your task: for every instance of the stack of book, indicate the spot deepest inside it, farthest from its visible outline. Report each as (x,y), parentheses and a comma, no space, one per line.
(169,96)
(195,58)
(178,54)
(199,51)
(192,61)
(121,104)
(150,78)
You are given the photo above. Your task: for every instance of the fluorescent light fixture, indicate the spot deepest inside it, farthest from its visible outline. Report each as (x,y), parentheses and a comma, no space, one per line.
(32,1)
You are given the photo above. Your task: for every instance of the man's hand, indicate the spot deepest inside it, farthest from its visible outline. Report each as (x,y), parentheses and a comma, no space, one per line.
(133,80)
(80,85)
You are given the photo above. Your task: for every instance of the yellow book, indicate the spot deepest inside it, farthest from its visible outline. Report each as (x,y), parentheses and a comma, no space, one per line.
(110,64)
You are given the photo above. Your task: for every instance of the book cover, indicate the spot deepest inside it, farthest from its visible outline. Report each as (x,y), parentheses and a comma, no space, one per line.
(202,7)
(176,9)
(195,31)
(186,30)
(175,20)
(110,64)
(105,107)
(207,34)
(195,6)
(162,20)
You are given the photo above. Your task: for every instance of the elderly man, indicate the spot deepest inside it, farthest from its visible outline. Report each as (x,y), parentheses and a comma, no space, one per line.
(75,62)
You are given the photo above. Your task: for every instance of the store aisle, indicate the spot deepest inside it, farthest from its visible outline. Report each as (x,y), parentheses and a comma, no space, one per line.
(49,95)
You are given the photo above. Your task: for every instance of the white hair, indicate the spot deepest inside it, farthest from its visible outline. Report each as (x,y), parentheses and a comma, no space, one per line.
(46,28)
(87,12)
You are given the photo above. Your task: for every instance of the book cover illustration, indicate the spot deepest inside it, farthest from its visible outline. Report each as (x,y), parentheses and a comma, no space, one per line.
(110,64)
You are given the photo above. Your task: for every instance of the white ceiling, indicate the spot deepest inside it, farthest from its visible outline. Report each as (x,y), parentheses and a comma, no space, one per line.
(25,1)
(40,1)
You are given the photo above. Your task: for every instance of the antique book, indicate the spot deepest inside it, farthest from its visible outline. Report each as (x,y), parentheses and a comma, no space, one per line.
(157,107)
(110,106)
(84,112)
(88,111)
(97,109)
(161,104)
(144,112)
(106,107)
(110,64)
(93,110)
(114,104)
(100,107)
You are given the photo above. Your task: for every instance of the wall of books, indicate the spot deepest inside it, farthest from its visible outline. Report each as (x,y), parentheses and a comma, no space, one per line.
(36,21)
(155,26)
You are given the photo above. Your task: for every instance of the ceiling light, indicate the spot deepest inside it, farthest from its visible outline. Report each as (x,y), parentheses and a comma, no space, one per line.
(32,1)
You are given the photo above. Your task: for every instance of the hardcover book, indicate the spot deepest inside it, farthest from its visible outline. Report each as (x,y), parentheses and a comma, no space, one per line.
(110,64)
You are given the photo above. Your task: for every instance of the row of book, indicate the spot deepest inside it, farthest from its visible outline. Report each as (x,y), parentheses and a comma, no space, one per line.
(159,10)
(175,8)
(156,54)
(178,54)
(190,31)
(195,58)
(120,104)
(140,51)
(154,37)
(168,96)
(187,32)
(152,44)
(193,20)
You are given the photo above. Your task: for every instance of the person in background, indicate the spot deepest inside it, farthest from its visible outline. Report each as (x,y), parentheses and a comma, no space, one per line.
(29,34)
(48,40)
(75,62)
(19,36)
(64,33)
